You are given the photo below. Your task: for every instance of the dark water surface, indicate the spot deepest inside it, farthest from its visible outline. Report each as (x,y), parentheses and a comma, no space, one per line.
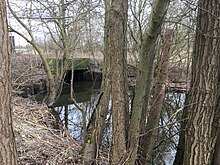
(83,91)
(86,95)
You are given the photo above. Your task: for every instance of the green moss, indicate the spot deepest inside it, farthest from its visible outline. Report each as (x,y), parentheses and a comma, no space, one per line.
(79,63)
(90,140)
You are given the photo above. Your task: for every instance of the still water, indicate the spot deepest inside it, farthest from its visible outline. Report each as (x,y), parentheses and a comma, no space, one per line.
(86,95)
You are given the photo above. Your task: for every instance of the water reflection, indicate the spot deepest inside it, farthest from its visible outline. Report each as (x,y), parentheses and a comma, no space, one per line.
(169,128)
(85,93)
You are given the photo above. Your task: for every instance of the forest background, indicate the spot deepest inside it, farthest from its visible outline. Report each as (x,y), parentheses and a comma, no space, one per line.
(158,101)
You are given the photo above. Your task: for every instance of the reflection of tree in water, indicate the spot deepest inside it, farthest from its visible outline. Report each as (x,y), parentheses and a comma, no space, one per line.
(71,117)
(169,127)
(168,130)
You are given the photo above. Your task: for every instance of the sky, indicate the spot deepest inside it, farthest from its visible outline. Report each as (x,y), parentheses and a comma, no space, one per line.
(41,33)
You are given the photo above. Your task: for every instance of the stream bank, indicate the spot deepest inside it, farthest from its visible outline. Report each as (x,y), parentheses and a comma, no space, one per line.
(36,140)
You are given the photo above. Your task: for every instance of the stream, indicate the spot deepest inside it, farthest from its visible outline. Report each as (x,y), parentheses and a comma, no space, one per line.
(86,95)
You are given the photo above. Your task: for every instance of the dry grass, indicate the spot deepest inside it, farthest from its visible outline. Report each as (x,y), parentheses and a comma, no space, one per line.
(37,143)
(27,72)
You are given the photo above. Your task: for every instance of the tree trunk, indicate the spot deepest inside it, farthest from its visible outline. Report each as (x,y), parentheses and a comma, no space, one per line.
(216,155)
(55,81)
(103,109)
(159,85)
(145,70)
(8,154)
(201,128)
(97,124)
(118,76)
(181,144)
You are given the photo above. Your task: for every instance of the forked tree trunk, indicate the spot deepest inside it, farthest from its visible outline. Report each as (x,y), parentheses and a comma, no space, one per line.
(201,128)
(8,154)
(148,141)
(144,77)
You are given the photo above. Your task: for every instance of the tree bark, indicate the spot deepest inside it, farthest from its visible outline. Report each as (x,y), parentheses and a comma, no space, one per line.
(55,81)
(118,77)
(181,144)
(159,86)
(201,128)
(144,77)
(8,154)
(216,155)
(98,121)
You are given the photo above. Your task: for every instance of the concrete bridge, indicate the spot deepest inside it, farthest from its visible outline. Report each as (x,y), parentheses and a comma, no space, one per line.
(86,69)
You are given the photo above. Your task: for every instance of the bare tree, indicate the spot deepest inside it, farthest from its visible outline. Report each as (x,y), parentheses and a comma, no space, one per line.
(203,99)
(61,21)
(144,77)
(8,153)
(157,97)
(97,124)
(118,76)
